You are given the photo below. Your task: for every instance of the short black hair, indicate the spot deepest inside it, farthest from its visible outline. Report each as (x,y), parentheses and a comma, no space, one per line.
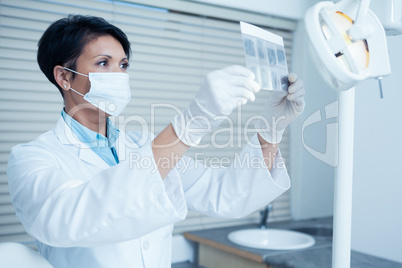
(64,40)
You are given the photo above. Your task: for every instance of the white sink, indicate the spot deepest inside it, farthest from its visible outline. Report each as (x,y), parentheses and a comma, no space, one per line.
(275,239)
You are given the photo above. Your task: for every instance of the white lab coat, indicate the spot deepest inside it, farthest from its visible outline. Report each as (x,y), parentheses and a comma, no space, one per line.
(84,213)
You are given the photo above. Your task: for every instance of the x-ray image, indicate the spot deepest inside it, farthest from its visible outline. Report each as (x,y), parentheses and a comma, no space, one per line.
(261,50)
(265,57)
(272,56)
(249,47)
(280,52)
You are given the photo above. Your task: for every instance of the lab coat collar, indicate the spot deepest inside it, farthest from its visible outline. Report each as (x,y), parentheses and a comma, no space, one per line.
(89,156)
(65,134)
(123,145)
(67,137)
(83,133)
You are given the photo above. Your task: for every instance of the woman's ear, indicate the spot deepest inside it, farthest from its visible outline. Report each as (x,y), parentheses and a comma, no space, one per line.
(62,77)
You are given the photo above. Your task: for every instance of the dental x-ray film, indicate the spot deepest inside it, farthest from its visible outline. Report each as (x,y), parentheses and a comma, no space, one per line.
(265,57)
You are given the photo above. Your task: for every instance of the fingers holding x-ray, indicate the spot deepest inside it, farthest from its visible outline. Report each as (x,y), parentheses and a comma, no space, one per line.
(245,83)
(242,95)
(296,90)
(238,70)
(296,96)
(292,77)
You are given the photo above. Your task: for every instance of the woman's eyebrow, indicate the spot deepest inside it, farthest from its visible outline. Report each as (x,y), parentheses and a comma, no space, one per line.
(103,55)
(108,56)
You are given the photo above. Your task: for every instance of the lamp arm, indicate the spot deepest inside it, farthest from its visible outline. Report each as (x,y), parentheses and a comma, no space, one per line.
(360,30)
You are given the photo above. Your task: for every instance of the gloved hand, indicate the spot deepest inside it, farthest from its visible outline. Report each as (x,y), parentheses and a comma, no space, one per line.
(281,109)
(222,91)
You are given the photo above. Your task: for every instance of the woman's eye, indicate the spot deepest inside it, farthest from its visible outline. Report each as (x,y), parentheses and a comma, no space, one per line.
(102,63)
(125,65)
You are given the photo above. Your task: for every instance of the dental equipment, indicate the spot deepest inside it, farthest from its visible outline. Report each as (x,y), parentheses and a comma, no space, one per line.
(348,45)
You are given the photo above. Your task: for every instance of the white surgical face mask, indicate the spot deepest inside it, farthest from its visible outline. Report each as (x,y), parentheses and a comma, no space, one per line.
(110,92)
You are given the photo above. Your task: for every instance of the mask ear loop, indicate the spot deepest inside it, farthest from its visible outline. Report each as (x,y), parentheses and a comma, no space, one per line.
(77,92)
(65,68)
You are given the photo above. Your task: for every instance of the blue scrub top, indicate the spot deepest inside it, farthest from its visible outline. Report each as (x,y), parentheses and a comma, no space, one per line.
(101,145)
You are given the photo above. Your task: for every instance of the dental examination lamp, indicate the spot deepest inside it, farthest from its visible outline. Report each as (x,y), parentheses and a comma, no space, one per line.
(348,45)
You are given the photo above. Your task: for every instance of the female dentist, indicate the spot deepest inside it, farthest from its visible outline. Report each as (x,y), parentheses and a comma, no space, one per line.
(76,189)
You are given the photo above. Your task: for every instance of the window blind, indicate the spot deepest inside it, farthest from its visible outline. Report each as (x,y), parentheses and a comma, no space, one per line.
(174,43)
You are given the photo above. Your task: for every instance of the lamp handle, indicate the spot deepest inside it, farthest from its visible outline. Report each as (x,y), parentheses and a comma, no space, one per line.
(360,30)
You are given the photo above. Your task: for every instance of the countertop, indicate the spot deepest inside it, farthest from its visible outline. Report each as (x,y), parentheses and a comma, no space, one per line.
(317,256)
(186,265)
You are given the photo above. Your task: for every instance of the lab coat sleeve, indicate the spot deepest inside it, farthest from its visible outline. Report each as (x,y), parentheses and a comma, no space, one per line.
(234,192)
(119,203)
